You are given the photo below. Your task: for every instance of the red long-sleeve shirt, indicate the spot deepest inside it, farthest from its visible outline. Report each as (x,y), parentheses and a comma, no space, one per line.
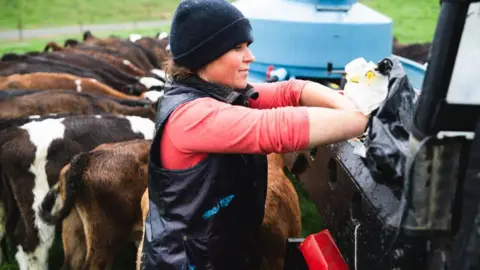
(273,123)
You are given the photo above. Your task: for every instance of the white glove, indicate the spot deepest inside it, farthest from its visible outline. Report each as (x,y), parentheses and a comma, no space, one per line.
(365,86)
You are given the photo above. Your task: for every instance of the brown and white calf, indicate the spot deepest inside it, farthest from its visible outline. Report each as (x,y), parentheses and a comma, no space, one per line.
(81,65)
(64,101)
(31,158)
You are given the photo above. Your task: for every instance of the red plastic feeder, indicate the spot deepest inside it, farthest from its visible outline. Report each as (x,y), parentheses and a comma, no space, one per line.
(321,252)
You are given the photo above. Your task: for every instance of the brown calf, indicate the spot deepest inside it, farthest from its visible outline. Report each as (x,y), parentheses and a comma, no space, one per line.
(124,47)
(115,61)
(105,187)
(157,46)
(101,192)
(282,216)
(60,101)
(47,81)
(417,52)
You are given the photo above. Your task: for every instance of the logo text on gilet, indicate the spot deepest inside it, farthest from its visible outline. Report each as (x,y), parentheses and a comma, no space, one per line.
(224,202)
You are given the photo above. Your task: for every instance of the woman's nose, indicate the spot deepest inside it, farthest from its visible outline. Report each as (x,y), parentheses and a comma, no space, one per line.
(249,57)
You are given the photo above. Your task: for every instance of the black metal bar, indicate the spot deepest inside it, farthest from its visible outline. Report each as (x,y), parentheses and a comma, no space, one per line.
(431,179)
(434,185)
(429,115)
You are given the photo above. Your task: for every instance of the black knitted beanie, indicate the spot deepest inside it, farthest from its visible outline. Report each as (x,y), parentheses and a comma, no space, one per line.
(203,30)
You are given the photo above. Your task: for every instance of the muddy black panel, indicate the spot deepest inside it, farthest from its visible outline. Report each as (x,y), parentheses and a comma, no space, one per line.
(359,213)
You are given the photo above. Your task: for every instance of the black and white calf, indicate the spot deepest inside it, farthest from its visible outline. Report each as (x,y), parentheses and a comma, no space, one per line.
(31,157)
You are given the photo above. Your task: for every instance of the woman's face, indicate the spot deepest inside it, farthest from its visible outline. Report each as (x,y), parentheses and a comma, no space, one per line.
(231,69)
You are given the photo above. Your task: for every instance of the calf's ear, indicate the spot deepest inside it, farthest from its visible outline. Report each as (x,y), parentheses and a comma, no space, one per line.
(70,43)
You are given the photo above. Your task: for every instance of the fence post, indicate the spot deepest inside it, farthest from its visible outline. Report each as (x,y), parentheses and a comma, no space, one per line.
(80,16)
(20,20)
(134,24)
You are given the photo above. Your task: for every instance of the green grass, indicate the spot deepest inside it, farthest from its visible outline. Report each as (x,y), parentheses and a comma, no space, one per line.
(48,13)
(311,221)
(413,20)
(39,44)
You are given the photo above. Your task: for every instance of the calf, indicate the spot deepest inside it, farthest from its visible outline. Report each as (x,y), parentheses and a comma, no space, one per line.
(157,46)
(147,52)
(123,47)
(16,122)
(88,195)
(49,81)
(117,62)
(79,65)
(107,70)
(282,216)
(19,64)
(115,53)
(85,61)
(31,158)
(8,94)
(60,101)
(135,53)
(101,212)
(416,51)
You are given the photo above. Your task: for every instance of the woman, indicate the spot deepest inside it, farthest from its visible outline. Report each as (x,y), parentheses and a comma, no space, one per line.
(208,170)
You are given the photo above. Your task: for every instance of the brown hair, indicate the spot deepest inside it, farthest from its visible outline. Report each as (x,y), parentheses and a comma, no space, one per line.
(176,71)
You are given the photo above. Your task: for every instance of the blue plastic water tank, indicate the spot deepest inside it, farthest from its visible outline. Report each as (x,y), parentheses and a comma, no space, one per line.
(303,36)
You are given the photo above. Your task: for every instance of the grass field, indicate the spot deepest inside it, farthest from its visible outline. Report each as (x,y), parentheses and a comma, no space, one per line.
(414,21)
(48,13)
(39,44)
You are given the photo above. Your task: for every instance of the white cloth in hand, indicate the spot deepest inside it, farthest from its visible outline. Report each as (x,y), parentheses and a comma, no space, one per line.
(365,86)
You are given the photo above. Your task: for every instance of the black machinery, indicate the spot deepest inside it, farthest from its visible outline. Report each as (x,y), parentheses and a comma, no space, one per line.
(431,219)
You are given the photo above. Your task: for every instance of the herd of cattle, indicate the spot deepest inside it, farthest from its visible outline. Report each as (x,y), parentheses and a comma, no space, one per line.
(57,104)
(76,123)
